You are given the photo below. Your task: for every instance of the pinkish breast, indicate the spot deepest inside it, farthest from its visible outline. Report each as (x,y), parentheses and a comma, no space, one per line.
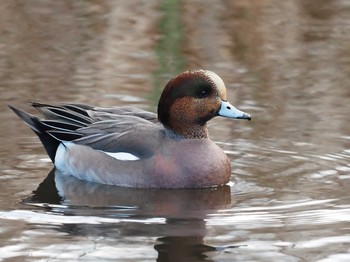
(191,163)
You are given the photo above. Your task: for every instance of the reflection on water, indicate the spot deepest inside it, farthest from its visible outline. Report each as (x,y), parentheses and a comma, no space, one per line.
(178,215)
(285,62)
(58,188)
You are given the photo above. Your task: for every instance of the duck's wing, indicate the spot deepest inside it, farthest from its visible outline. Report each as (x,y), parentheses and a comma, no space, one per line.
(133,131)
(140,140)
(100,113)
(91,114)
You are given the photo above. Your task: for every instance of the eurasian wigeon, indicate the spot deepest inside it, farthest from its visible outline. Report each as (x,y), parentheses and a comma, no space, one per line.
(131,147)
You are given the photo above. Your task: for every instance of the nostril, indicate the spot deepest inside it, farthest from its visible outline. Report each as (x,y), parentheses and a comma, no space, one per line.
(228,107)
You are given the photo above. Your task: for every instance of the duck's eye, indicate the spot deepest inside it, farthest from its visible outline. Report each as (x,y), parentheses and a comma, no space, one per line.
(203,93)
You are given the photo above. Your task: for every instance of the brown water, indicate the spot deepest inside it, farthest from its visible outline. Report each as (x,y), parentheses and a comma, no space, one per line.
(287,63)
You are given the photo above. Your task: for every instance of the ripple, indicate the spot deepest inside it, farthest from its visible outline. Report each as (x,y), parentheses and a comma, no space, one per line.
(324,241)
(291,214)
(43,218)
(319,217)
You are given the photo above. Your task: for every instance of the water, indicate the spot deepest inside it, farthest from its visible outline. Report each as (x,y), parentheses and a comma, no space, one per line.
(287,63)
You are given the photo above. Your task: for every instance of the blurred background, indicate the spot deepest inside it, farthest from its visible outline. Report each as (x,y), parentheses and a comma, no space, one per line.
(287,63)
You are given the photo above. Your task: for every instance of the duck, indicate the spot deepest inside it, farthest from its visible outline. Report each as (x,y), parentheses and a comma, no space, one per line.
(130,147)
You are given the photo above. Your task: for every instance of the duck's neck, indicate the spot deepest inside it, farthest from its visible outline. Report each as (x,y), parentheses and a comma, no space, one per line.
(190,132)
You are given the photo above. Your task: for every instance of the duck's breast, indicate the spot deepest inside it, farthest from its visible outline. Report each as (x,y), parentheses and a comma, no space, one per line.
(191,163)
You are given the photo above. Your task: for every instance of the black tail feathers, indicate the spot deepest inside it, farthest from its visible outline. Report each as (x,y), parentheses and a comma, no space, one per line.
(41,130)
(61,123)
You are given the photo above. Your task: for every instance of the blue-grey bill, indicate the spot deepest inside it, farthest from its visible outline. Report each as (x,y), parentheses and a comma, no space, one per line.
(228,110)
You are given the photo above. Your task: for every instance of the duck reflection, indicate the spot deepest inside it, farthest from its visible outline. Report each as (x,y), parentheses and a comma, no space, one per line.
(179,214)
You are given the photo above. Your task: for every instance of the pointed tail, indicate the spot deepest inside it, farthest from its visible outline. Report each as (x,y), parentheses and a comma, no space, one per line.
(50,143)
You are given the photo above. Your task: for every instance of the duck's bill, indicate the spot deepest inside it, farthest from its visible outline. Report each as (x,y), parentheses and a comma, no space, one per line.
(228,110)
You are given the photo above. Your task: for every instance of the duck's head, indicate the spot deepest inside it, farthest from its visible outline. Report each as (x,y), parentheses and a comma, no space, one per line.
(191,99)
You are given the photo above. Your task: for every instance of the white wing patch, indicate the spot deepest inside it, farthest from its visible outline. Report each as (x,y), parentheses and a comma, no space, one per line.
(122,156)
(60,158)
